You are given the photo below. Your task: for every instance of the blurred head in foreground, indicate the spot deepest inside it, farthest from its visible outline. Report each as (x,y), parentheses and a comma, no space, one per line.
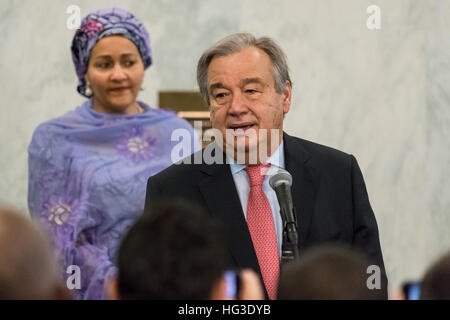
(174,251)
(328,273)
(28,268)
(436,282)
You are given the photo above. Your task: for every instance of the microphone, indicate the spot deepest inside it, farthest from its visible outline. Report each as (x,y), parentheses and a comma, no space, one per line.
(281,183)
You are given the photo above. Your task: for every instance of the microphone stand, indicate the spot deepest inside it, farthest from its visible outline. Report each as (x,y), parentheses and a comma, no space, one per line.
(281,182)
(289,248)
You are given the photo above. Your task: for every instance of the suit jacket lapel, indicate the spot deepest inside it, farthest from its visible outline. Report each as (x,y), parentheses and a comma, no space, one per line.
(219,192)
(304,184)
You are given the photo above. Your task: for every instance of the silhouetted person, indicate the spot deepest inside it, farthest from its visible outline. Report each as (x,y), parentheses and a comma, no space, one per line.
(436,282)
(27,266)
(328,273)
(175,251)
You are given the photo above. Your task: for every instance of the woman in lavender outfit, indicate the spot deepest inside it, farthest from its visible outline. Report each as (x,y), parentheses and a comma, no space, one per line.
(88,168)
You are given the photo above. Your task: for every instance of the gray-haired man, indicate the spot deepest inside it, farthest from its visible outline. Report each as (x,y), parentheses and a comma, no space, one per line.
(246,83)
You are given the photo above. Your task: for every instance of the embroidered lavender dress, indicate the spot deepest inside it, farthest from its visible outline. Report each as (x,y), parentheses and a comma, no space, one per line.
(87,179)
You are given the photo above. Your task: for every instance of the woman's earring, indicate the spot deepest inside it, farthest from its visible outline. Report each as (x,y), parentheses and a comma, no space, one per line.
(88,90)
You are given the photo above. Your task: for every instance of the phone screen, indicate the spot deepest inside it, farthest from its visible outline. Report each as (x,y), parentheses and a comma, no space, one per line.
(231,284)
(412,290)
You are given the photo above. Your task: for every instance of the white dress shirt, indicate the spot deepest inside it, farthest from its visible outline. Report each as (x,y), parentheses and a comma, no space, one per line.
(242,183)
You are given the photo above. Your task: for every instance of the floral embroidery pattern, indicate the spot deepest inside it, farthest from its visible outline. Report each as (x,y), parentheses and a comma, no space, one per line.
(91,27)
(136,145)
(59,209)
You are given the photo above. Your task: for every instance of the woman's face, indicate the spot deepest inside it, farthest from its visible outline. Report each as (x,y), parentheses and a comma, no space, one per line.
(115,74)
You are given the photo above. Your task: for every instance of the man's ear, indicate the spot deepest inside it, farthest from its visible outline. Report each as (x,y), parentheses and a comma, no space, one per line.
(218,289)
(112,289)
(287,97)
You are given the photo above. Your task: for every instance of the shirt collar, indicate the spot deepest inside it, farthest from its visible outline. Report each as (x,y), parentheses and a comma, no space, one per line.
(276,159)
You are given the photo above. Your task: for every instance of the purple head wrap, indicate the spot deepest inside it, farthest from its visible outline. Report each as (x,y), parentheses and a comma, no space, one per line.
(103,23)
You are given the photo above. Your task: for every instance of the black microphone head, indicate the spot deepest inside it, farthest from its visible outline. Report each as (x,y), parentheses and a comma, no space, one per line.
(280,177)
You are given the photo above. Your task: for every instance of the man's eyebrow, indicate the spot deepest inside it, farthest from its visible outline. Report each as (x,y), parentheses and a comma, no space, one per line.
(243,82)
(216,85)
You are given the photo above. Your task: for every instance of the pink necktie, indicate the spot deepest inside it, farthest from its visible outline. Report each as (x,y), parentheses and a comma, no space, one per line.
(262,229)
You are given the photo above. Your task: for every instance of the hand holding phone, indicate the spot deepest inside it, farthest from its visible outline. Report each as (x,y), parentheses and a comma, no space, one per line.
(243,285)
(411,290)
(232,284)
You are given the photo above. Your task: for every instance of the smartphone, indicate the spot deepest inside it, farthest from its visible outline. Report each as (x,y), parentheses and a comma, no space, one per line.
(232,284)
(411,290)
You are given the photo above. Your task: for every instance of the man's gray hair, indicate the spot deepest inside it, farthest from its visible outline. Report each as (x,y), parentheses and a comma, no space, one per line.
(235,43)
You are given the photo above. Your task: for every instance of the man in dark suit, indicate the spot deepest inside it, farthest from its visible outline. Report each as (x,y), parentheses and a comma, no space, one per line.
(246,83)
